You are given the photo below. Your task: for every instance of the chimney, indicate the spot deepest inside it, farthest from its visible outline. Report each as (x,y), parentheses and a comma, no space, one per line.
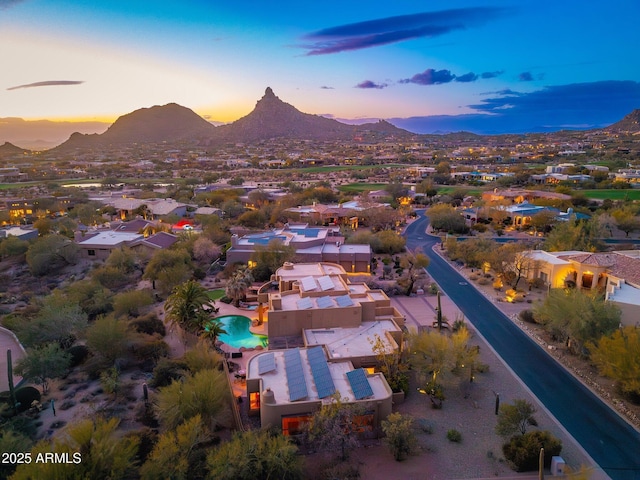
(268,397)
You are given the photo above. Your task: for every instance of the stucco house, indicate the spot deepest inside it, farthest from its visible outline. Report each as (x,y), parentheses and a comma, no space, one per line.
(338,321)
(615,273)
(312,245)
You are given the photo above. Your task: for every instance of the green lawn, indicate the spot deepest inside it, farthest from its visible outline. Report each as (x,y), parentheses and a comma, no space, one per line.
(613,194)
(339,168)
(361,187)
(468,190)
(216,294)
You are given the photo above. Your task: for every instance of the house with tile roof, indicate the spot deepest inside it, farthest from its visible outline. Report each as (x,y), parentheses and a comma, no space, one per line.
(615,273)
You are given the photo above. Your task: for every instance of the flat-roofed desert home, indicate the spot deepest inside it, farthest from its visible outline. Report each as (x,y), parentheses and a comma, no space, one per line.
(338,322)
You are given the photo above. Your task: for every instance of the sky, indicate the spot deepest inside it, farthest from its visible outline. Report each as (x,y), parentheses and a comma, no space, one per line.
(505,65)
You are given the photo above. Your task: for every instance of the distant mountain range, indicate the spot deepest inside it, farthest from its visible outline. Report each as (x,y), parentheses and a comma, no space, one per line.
(273,118)
(270,119)
(9,150)
(169,123)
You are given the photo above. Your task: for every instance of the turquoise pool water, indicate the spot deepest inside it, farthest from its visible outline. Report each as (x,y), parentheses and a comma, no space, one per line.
(238,334)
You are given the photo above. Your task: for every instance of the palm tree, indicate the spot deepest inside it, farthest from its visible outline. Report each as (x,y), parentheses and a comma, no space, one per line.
(186,305)
(213,330)
(238,285)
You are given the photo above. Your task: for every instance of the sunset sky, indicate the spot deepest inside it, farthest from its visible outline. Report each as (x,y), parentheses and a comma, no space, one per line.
(552,63)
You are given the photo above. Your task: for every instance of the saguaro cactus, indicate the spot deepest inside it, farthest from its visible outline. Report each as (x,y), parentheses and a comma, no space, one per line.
(439,313)
(12,392)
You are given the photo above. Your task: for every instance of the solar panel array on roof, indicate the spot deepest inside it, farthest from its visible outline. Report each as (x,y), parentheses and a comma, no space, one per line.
(304,303)
(295,375)
(308,284)
(359,384)
(324,302)
(326,283)
(320,371)
(266,363)
(344,301)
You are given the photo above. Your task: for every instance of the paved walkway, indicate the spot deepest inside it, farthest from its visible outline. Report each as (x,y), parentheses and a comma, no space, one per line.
(8,341)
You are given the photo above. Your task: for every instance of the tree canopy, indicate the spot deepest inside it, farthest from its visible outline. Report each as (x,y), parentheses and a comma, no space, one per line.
(204,393)
(188,305)
(577,317)
(618,357)
(103,453)
(50,253)
(515,418)
(43,364)
(255,454)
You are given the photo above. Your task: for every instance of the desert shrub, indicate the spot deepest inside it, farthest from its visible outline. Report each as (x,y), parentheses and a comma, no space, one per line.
(21,424)
(483,281)
(77,355)
(67,405)
(199,274)
(481,367)
(110,277)
(426,426)
(454,435)
(479,227)
(149,324)
(527,316)
(166,371)
(152,349)
(131,304)
(145,415)
(433,289)
(523,451)
(146,438)
(458,324)
(474,277)
(536,283)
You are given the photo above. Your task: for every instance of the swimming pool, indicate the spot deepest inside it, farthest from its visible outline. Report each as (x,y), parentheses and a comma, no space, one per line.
(238,334)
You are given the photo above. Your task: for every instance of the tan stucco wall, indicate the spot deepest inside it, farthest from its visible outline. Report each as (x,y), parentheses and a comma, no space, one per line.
(630,314)
(291,322)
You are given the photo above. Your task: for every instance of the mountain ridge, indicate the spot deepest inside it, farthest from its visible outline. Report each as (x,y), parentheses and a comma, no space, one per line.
(9,149)
(271,118)
(629,123)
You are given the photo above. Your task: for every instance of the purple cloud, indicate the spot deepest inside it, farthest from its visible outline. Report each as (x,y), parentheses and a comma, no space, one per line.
(581,98)
(326,87)
(49,83)
(430,77)
(578,105)
(467,77)
(504,92)
(383,31)
(369,84)
(525,77)
(492,74)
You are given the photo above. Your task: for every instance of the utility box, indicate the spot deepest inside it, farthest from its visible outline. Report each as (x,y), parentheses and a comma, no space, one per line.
(557,466)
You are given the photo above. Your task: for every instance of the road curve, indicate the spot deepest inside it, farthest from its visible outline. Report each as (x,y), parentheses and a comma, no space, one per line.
(606,437)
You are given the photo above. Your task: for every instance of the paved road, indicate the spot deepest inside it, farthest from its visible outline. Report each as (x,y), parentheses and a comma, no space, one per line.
(606,437)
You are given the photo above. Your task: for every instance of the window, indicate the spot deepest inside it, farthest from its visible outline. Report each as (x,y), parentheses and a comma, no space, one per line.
(254,401)
(363,423)
(294,425)
(91,253)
